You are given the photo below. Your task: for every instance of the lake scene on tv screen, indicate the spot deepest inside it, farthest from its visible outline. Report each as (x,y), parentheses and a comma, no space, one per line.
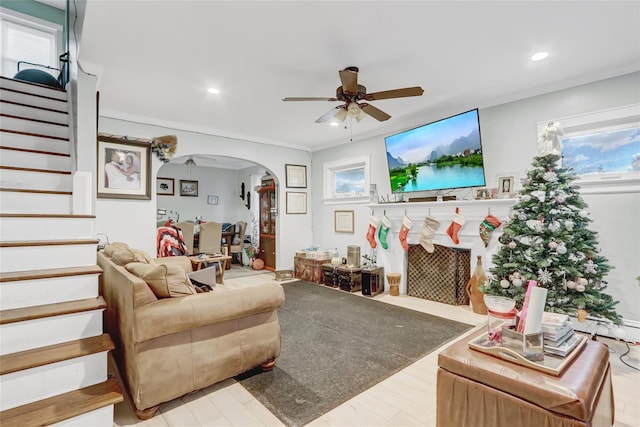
(442,155)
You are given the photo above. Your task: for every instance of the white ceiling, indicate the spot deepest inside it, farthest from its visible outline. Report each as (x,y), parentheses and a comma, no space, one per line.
(156,59)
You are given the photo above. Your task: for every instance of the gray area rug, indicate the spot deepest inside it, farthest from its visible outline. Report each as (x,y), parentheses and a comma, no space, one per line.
(335,345)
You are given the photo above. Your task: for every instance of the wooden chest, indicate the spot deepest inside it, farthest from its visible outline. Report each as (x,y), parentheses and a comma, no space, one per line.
(330,275)
(309,269)
(349,279)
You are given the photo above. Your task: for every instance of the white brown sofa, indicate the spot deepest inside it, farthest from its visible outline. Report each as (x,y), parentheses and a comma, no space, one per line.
(174,344)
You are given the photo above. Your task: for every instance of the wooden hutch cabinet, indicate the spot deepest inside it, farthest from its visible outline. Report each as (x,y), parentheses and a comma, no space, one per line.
(268,209)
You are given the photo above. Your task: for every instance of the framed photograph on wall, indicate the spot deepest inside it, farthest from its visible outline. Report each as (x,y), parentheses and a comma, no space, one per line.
(343,221)
(188,188)
(506,186)
(483,193)
(296,202)
(165,186)
(296,176)
(123,170)
(212,200)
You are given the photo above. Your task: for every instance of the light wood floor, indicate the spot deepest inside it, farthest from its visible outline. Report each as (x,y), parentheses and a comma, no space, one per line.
(404,399)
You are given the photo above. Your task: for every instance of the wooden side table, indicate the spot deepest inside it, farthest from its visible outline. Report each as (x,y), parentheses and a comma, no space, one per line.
(221,260)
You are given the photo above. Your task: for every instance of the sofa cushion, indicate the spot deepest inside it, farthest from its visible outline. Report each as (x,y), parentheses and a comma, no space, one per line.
(125,256)
(112,247)
(166,281)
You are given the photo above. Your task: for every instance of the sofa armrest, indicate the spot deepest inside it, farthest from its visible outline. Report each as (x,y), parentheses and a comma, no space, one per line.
(172,315)
(182,261)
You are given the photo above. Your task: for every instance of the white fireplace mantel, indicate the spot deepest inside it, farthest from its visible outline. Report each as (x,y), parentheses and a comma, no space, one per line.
(394,259)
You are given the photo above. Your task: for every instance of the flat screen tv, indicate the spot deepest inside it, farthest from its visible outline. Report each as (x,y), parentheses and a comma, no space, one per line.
(442,155)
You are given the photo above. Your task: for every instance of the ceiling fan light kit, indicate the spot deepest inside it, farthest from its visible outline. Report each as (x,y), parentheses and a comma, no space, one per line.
(351,92)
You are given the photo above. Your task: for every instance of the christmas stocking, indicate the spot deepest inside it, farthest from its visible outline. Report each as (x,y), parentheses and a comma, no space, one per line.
(385,225)
(404,230)
(426,234)
(489,224)
(457,223)
(371,232)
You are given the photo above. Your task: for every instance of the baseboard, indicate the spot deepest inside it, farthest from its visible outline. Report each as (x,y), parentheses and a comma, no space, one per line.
(593,326)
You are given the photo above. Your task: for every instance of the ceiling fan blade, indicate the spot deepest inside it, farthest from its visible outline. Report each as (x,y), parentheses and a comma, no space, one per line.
(328,115)
(395,93)
(374,112)
(308,99)
(349,79)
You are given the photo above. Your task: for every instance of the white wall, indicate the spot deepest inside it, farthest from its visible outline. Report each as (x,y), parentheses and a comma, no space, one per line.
(509,143)
(211,181)
(134,221)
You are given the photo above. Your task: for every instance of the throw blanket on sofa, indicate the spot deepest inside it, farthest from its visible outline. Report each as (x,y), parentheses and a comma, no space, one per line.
(170,242)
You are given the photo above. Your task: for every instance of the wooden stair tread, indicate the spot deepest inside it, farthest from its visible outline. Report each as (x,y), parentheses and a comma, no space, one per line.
(33,358)
(20,168)
(49,310)
(45,122)
(64,406)
(25,190)
(29,150)
(18,244)
(53,110)
(48,273)
(43,215)
(26,82)
(36,135)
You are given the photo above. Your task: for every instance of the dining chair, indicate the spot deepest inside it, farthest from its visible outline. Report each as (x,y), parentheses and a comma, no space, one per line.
(237,249)
(210,237)
(187,234)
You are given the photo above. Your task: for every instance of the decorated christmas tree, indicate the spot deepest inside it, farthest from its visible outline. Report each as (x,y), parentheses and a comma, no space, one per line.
(547,239)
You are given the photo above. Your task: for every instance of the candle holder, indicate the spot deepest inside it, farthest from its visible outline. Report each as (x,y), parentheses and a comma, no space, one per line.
(530,346)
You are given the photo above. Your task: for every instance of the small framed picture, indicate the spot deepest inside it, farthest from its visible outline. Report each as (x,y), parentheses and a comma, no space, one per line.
(296,176)
(188,188)
(483,193)
(296,202)
(212,200)
(506,186)
(343,221)
(123,168)
(165,186)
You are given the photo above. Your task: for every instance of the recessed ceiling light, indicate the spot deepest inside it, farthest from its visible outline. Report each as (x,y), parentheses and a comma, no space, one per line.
(213,90)
(334,123)
(539,56)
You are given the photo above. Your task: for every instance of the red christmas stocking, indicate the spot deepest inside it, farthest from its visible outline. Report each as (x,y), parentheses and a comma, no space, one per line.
(371,232)
(404,230)
(456,224)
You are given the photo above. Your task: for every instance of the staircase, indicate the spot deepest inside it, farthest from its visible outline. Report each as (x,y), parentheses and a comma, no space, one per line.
(53,352)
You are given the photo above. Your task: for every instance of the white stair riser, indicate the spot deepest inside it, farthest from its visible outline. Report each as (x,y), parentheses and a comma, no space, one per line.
(23,387)
(27,180)
(28,126)
(46,228)
(49,331)
(34,143)
(33,113)
(99,417)
(26,159)
(36,101)
(33,89)
(26,258)
(37,203)
(30,293)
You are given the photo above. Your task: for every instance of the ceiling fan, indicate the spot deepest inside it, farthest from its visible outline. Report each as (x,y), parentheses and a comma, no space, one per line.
(351,92)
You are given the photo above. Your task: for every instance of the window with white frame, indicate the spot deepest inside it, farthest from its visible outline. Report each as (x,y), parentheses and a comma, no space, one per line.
(347,180)
(24,38)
